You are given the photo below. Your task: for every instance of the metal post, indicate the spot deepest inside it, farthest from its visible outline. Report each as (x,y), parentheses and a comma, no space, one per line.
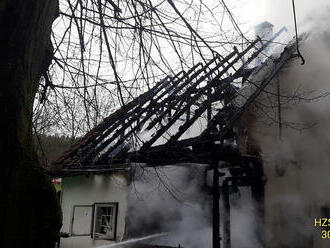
(216,208)
(226,215)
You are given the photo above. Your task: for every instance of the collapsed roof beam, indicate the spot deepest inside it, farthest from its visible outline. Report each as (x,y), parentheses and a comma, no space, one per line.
(187,94)
(181,90)
(111,120)
(135,116)
(194,98)
(167,100)
(235,115)
(120,115)
(204,107)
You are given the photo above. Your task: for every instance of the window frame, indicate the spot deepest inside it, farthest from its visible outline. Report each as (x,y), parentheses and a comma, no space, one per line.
(94,219)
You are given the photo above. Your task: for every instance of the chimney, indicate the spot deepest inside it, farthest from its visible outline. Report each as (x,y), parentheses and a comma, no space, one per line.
(263,30)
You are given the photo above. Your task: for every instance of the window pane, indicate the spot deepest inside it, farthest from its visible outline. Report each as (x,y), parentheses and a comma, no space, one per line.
(104,222)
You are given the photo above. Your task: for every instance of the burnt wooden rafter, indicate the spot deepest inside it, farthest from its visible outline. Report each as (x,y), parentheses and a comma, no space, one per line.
(122,119)
(220,89)
(170,100)
(236,114)
(195,98)
(149,110)
(109,121)
(225,117)
(187,94)
(114,120)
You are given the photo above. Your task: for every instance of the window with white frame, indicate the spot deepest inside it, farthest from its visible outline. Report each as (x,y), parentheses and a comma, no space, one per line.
(104,224)
(98,220)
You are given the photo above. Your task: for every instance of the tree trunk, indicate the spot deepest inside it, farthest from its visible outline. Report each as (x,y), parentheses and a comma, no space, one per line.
(30,214)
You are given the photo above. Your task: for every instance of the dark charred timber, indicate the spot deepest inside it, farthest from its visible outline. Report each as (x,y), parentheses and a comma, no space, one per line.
(245,73)
(116,119)
(187,106)
(216,208)
(256,53)
(71,172)
(248,173)
(242,71)
(204,107)
(135,114)
(193,86)
(194,99)
(90,137)
(171,104)
(236,114)
(195,154)
(279,63)
(182,93)
(240,181)
(135,108)
(170,156)
(131,110)
(149,110)
(226,214)
(181,81)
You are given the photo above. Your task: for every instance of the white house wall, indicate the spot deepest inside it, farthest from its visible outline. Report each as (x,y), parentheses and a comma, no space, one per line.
(83,190)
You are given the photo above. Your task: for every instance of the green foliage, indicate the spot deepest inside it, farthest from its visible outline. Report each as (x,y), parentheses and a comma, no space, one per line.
(52,146)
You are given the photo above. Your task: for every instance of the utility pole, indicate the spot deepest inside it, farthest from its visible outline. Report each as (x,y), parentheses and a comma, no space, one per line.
(216,207)
(226,214)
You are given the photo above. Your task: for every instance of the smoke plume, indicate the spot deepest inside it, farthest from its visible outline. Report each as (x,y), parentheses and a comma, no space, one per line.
(297,163)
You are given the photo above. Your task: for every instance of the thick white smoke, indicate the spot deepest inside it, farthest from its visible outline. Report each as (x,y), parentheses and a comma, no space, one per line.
(297,164)
(279,12)
(244,221)
(171,199)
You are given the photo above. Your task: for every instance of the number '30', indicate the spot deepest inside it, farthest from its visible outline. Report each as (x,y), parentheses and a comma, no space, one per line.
(325,234)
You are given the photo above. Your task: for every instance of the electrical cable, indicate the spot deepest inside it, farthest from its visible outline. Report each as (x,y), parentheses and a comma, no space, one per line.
(297,41)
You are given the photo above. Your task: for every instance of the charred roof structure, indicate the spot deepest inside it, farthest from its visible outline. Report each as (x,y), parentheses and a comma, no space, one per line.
(151,128)
(160,127)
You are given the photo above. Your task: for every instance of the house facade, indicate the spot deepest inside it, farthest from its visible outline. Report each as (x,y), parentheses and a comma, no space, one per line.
(94,209)
(104,209)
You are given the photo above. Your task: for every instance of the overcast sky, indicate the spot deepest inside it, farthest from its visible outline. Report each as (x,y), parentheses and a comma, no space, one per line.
(279,12)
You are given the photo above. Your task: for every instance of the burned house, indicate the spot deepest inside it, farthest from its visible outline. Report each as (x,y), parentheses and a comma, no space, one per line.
(195,123)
